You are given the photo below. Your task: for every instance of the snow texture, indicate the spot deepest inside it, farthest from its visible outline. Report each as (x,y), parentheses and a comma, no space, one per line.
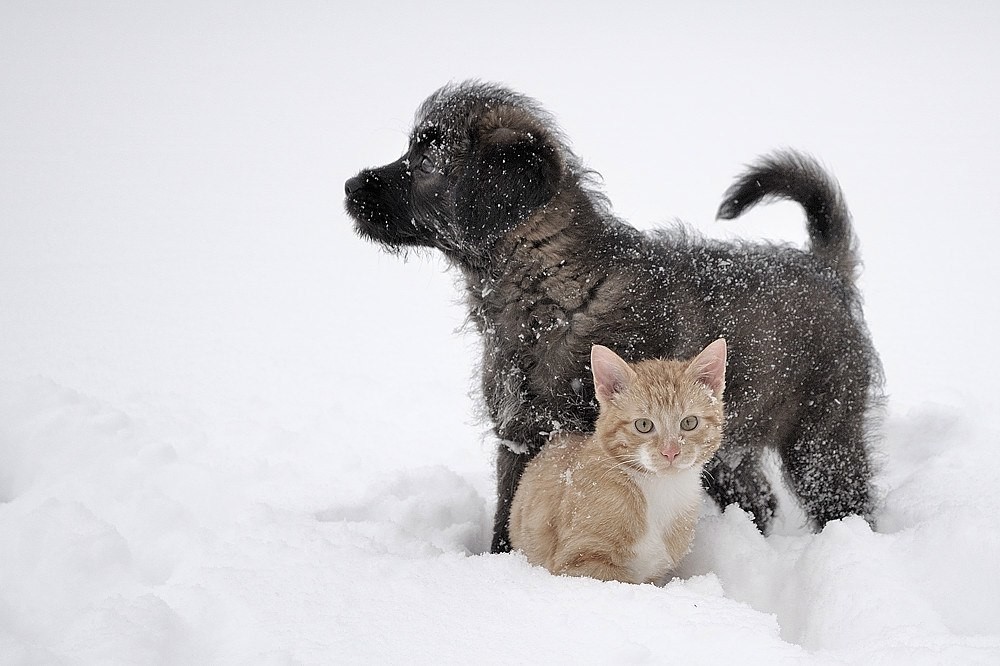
(232,432)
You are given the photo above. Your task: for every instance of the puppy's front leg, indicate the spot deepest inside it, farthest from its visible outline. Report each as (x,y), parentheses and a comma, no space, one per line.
(510,466)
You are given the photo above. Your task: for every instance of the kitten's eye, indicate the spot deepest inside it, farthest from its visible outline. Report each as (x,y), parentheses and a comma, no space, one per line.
(643,425)
(689,423)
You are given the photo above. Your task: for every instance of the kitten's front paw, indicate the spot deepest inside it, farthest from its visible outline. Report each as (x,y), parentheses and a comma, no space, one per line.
(594,565)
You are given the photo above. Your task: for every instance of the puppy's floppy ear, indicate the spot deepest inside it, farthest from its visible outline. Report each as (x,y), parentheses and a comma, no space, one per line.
(513,167)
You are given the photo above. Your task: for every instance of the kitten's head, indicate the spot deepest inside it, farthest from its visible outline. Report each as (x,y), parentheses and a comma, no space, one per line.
(660,416)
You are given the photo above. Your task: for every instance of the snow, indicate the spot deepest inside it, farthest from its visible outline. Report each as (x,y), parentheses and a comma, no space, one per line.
(231,431)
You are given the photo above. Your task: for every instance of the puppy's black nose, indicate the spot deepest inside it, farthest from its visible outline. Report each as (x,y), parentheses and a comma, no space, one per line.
(354,184)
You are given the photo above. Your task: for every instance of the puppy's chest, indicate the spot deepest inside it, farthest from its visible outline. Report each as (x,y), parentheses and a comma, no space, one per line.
(535,313)
(538,299)
(536,341)
(672,504)
(552,318)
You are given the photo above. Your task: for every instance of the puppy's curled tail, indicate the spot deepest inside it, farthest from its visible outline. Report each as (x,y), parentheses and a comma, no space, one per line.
(800,178)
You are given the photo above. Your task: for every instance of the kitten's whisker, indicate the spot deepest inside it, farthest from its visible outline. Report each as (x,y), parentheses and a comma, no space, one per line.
(618,468)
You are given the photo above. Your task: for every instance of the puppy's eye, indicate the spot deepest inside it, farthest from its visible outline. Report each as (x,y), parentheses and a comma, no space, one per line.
(426,164)
(689,423)
(644,425)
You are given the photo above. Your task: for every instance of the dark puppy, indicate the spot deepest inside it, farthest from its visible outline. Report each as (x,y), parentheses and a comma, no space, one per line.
(489,181)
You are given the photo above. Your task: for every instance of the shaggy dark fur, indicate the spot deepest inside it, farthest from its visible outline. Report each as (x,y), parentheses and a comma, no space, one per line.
(489,181)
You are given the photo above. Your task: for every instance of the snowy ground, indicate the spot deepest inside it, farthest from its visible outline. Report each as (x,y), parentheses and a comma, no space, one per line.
(232,432)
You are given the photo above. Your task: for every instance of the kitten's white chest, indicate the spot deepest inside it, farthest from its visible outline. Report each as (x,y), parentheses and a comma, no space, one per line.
(668,500)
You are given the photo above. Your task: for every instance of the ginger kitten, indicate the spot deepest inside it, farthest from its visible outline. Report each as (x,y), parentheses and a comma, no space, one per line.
(622,503)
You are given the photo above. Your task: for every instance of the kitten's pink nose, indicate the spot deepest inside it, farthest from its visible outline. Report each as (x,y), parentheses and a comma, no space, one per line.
(670,450)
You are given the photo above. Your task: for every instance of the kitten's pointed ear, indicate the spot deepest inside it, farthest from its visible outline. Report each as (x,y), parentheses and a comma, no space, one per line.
(710,366)
(611,374)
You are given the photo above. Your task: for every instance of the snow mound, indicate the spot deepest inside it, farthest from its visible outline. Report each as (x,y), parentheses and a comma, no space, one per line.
(149,532)
(420,513)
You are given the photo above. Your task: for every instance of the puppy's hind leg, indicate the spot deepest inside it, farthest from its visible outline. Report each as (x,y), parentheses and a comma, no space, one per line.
(828,465)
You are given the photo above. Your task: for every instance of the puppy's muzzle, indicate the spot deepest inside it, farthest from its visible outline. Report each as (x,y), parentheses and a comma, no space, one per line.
(355,183)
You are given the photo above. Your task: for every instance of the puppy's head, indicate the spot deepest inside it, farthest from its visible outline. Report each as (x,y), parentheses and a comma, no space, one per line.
(481,160)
